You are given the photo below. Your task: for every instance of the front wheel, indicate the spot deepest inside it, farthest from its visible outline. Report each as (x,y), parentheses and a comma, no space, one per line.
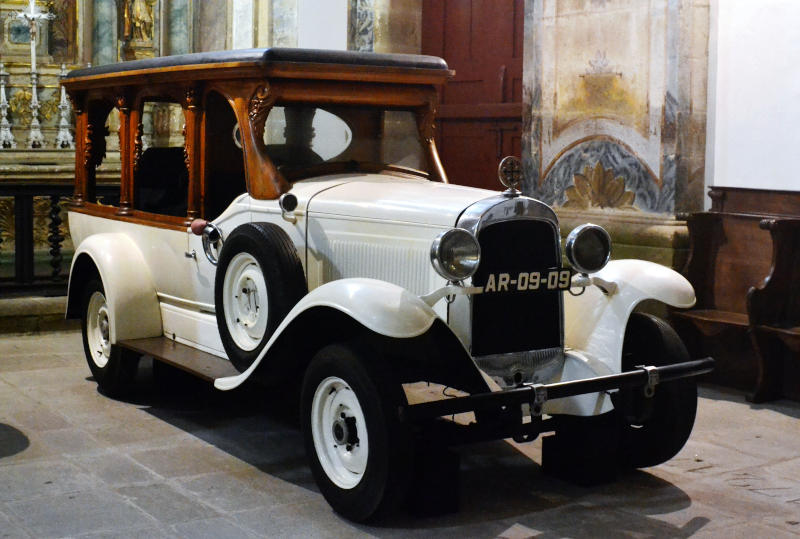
(359,451)
(112,367)
(653,430)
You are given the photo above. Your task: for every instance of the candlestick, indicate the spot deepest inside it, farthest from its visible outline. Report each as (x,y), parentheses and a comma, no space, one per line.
(33,16)
(64,138)
(6,137)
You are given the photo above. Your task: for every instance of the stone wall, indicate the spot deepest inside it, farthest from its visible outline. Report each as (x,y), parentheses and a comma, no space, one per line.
(614,116)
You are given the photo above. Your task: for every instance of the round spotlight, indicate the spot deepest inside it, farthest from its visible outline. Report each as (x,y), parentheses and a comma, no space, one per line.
(588,248)
(455,254)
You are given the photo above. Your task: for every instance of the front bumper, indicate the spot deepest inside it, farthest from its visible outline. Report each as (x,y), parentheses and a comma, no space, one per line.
(511,408)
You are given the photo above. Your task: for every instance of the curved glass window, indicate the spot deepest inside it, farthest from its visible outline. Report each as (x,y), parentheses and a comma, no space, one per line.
(300,140)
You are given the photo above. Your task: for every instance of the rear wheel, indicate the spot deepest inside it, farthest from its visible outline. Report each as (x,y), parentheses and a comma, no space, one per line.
(112,367)
(360,453)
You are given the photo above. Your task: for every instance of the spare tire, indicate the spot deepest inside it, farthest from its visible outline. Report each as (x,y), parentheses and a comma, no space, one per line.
(259,279)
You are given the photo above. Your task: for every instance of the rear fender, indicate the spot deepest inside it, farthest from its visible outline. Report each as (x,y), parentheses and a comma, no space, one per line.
(128,285)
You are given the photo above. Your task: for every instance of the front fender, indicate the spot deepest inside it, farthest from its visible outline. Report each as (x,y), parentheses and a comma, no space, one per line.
(129,289)
(594,323)
(383,308)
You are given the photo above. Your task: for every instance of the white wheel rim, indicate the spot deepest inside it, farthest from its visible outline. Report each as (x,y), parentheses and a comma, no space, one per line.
(339,432)
(98,329)
(244,300)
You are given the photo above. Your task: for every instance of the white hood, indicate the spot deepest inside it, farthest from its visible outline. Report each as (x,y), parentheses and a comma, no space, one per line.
(388,197)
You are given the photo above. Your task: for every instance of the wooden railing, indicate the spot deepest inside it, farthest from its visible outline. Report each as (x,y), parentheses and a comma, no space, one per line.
(32,274)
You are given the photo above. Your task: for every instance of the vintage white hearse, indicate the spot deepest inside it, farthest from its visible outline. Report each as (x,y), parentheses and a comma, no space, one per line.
(283,215)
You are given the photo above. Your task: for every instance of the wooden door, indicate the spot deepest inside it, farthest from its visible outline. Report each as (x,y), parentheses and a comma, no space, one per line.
(480,118)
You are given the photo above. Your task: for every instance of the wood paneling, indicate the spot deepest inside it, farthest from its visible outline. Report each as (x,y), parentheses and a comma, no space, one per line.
(480,118)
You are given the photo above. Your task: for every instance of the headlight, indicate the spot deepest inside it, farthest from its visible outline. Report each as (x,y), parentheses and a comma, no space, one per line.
(588,248)
(455,254)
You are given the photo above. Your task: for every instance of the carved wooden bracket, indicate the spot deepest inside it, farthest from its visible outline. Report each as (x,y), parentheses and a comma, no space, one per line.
(260,104)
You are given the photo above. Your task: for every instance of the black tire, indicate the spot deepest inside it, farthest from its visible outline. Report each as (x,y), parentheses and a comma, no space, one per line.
(382,485)
(653,430)
(276,259)
(113,367)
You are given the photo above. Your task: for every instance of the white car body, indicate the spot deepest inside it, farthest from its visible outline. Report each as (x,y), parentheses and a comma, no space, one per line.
(371,234)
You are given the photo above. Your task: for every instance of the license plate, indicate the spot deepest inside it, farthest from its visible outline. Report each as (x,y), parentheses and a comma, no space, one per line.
(528,281)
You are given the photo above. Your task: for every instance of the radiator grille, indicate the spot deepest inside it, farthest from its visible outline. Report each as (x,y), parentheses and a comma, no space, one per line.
(516,321)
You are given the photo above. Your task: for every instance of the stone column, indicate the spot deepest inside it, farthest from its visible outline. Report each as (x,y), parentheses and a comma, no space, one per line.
(389,26)
(243,24)
(104,24)
(610,129)
(284,23)
(210,25)
(177,39)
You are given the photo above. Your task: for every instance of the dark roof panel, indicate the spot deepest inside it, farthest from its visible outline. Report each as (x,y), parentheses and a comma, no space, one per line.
(266,56)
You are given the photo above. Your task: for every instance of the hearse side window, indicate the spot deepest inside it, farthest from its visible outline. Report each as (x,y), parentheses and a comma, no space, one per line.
(161,180)
(105,149)
(224,162)
(302,136)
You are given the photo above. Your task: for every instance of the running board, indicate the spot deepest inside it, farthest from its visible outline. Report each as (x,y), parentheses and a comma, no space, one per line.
(202,364)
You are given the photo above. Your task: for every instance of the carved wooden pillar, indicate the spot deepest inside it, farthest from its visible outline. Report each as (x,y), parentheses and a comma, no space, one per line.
(192,112)
(427,130)
(82,140)
(125,156)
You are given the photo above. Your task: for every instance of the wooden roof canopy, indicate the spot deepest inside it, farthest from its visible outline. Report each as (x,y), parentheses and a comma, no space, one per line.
(274,62)
(251,80)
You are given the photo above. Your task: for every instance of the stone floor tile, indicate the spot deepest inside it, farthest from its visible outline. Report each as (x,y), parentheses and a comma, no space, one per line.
(164,503)
(180,461)
(27,362)
(148,532)
(42,478)
(70,441)
(211,528)
(10,530)
(114,469)
(38,418)
(786,468)
(315,520)
(228,492)
(51,377)
(78,513)
(748,530)
(748,493)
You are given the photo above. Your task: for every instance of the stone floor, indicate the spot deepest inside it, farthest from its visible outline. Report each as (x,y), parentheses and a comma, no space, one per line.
(191,462)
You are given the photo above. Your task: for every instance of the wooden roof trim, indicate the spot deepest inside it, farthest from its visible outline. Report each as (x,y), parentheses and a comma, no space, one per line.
(396,75)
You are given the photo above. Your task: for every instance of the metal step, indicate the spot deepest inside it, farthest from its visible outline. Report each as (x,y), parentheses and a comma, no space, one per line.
(202,364)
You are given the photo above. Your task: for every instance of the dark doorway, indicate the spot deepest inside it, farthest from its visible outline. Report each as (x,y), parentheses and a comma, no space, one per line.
(480,118)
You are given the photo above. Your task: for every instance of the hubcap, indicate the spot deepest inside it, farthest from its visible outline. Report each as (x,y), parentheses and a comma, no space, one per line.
(97,329)
(339,432)
(245,301)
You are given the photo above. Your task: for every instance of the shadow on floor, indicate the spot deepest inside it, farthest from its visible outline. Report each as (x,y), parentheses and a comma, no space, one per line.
(497,482)
(12,441)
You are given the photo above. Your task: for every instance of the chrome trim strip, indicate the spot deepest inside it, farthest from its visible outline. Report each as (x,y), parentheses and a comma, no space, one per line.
(504,208)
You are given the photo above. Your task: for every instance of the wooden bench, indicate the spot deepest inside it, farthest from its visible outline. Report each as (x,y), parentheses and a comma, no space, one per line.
(743,265)
(774,312)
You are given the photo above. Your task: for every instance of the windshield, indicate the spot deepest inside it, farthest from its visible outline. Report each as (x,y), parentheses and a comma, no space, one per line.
(306,140)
